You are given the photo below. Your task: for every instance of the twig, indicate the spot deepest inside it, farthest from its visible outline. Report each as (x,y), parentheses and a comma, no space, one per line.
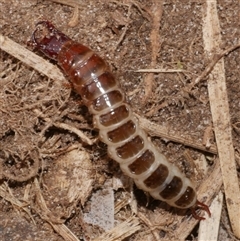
(31,59)
(125,29)
(64,126)
(47,215)
(6,194)
(209,229)
(220,114)
(156,130)
(121,231)
(156,12)
(211,65)
(160,70)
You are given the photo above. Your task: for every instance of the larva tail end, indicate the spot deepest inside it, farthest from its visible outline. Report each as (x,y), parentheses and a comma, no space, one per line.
(201,206)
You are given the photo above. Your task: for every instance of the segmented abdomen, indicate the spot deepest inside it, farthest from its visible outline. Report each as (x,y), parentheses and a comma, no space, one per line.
(127,143)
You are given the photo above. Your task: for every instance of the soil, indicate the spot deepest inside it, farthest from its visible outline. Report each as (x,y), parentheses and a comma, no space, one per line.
(39,116)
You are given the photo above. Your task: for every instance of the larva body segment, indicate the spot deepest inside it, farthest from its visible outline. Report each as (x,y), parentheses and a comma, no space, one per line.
(127,143)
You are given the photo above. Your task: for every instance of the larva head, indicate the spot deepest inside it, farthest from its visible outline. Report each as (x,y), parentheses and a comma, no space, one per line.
(48,39)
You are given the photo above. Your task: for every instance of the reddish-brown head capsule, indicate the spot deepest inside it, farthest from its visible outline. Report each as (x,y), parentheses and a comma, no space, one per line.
(48,39)
(127,143)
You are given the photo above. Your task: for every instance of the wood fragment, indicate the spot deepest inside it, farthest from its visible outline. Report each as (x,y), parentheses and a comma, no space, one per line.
(160,71)
(220,114)
(208,229)
(209,68)
(65,232)
(64,126)
(156,14)
(156,130)
(74,20)
(6,194)
(46,215)
(125,29)
(28,57)
(207,136)
(153,228)
(121,231)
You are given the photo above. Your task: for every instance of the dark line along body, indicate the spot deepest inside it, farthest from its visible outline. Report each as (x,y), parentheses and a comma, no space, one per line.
(127,143)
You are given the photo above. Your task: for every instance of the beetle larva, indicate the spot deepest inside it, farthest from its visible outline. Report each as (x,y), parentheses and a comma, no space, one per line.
(127,143)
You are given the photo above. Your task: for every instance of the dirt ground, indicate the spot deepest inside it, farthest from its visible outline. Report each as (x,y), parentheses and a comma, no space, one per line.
(56,179)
